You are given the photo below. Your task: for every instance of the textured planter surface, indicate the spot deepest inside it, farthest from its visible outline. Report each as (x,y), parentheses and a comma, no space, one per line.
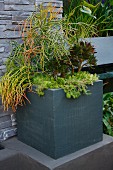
(58,126)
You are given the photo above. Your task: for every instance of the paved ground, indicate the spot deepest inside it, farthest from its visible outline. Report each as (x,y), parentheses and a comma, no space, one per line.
(19,156)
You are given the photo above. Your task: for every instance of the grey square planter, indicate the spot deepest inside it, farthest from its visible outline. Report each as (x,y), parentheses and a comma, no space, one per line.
(58,126)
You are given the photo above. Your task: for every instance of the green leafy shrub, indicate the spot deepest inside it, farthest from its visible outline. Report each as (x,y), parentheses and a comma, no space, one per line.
(108,113)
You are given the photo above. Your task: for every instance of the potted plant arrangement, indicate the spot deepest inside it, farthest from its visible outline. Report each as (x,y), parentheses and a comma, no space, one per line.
(61,109)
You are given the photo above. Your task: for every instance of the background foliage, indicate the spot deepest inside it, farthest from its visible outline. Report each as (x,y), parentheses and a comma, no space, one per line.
(100,12)
(108,113)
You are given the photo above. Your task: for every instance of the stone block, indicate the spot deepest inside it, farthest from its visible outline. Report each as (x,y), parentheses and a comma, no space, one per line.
(18,18)
(5,22)
(5,124)
(2,35)
(17,23)
(2,28)
(5,12)
(21,13)
(4,41)
(2,49)
(19,7)
(5,17)
(24,2)
(12,34)
(4,60)
(1,61)
(7,47)
(12,27)
(4,55)
(1,6)
(3,71)
(1,74)
(2,67)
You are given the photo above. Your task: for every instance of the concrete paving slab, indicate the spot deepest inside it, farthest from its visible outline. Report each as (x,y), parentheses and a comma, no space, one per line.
(95,157)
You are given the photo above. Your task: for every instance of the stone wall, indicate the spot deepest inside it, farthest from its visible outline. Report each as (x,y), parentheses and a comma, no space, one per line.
(12,12)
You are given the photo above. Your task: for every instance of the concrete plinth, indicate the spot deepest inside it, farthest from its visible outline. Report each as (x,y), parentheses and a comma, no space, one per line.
(18,156)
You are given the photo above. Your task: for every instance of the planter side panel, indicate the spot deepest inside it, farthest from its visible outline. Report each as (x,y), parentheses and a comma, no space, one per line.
(78,123)
(35,123)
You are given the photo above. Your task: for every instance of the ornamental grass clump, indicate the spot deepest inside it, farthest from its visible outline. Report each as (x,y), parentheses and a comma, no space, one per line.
(50,51)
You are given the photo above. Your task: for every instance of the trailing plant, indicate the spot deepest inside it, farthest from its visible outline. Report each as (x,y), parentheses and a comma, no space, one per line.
(108,113)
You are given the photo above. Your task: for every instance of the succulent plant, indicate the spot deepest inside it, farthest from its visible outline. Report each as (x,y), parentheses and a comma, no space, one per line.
(82,54)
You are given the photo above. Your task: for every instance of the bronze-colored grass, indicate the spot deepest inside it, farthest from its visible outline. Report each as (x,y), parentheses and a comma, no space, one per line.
(13,87)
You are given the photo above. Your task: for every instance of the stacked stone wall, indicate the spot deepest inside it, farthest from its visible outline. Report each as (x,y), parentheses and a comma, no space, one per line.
(12,12)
